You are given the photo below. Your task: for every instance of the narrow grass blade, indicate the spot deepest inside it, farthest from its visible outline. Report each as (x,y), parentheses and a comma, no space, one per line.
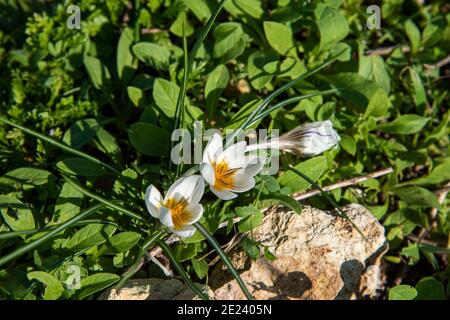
(36,243)
(181,271)
(94,196)
(135,268)
(292,100)
(61,145)
(251,118)
(14,234)
(212,241)
(326,195)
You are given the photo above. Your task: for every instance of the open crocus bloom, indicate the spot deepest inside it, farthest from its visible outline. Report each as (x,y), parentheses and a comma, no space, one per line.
(229,171)
(180,207)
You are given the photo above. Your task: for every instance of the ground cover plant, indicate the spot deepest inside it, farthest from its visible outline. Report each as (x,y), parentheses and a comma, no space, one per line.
(87,185)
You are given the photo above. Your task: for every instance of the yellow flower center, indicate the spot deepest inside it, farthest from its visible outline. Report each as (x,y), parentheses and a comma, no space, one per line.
(223,176)
(180,216)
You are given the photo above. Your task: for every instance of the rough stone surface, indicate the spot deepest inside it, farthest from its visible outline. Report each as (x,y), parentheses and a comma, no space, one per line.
(152,289)
(320,255)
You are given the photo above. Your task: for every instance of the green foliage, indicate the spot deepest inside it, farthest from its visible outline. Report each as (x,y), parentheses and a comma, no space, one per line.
(102,101)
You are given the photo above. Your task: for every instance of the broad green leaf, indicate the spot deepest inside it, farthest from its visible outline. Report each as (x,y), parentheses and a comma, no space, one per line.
(89,236)
(440,174)
(126,63)
(215,85)
(251,221)
(402,292)
(136,96)
(348,144)
(81,167)
(177,26)
(25,178)
(313,168)
(333,26)
(199,8)
(405,124)
(429,288)
(374,68)
(67,205)
(81,132)
(257,74)
(53,287)
(285,200)
(279,36)
(149,139)
(152,54)
(418,196)
(16,214)
(378,104)
(95,283)
(200,267)
(245,8)
(166,94)
(98,73)
(108,144)
(230,41)
(121,242)
(251,248)
(413,34)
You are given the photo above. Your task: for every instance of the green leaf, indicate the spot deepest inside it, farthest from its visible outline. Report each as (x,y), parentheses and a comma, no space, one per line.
(251,248)
(81,167)
(126,63)
(417,195)
(230,41)
(149,139)
(440,173)
(121,242)
(16,214)
(402,292)
(314,168)
(177,26)
(245,8)
(95,283)
(199,8)
(81,132)
(241,116)
(200,267)
(413,34)
(53,287)
(378,104)
(429,288)
(374,68)
(25,178)
(67,205)
(405,124)
(348,144)
(98,73)
(215,85)
(89,236)
(152,54)
(251,221)
(333,26)
(136,96)
(165,94)
(256,62)
(279,36)
(285,200)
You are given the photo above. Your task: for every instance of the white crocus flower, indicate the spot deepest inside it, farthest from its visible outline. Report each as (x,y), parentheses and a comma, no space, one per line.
(229,171)
(180,208)
(307,140)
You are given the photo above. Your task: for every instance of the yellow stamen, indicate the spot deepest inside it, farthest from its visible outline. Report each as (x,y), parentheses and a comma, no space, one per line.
(180,216)
(223,176)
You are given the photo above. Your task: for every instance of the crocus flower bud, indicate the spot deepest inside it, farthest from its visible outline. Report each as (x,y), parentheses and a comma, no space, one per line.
(307,140)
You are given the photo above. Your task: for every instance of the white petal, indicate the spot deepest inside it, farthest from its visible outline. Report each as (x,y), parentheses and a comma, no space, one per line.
(224,195)
(207,172)
(243,183)
(254,166)
(195,212)
(190,188)
(234,155)
(165,216)
(184,232)
(213,148)
(153,200)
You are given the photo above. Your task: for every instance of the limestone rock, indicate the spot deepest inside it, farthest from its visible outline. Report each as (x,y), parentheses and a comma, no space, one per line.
(320,255)
(152,289)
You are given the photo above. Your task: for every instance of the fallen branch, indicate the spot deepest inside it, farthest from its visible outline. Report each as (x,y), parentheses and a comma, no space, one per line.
(385,51)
